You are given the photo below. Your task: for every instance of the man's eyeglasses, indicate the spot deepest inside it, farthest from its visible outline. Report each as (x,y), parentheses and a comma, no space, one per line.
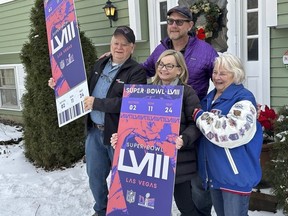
(179,22)
(168,67)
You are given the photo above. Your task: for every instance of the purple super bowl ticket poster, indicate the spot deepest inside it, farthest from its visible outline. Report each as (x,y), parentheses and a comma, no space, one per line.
(144,164)
(66,59)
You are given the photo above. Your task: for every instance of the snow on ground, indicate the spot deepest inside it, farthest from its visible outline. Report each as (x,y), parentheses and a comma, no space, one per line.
(29,191)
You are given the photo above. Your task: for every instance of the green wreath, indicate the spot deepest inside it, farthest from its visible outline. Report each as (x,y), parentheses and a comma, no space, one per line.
(207,19)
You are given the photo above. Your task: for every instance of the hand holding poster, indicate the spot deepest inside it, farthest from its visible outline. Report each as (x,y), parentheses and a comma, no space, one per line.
(144,163)
(66,59)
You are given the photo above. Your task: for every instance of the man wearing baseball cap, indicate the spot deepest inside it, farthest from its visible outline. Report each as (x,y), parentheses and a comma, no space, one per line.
(126,32)
(184,11)
(199,57)
(106,84)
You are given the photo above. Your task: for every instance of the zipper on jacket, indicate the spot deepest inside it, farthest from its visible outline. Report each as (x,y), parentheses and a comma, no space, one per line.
(206,172)
(231,161)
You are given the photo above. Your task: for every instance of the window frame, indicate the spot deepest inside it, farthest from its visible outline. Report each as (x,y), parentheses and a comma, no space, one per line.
(134,18)
(154,20)
(5,1)
(17,107)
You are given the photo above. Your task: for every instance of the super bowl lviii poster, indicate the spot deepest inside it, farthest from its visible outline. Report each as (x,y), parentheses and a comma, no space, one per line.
(66,59)
(144,164)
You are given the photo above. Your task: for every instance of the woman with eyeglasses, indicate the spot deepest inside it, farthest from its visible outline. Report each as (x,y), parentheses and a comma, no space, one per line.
(172,70)
(199,57)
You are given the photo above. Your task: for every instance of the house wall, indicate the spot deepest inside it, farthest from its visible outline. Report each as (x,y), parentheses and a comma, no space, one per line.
(9,58)
(282,12)
(14,23)
(15,28)
(279,73)
(279,45)
(97,27)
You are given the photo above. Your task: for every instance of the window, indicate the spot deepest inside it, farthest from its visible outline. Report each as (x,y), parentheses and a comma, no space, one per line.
(252,30)
(157,16)
(134,18)
(8,89)
(163,19)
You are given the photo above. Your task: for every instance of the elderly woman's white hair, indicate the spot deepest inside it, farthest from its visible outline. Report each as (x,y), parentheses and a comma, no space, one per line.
(232,64)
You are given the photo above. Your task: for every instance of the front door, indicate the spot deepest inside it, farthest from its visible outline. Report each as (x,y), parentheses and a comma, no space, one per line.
(254,49)
(247,37)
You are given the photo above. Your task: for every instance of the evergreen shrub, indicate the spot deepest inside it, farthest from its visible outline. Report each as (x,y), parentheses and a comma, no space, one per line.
(47,145)
(277,172)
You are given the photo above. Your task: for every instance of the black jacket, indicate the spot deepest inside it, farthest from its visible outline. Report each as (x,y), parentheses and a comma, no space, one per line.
(129,73)
(187,155)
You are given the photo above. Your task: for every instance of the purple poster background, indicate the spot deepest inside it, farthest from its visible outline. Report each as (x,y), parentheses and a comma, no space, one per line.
(64,45)
(66,59)
(144,163)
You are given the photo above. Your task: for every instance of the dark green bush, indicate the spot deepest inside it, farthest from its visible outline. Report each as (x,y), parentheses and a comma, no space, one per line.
(47,145)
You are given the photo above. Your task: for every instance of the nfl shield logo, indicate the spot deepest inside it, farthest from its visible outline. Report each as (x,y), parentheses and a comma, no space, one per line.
(130,196)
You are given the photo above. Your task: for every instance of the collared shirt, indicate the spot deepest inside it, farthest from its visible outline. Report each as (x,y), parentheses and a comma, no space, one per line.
(101,88)
(170,46)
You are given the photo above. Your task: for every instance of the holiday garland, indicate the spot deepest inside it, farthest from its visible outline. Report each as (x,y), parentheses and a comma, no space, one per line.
(207,19)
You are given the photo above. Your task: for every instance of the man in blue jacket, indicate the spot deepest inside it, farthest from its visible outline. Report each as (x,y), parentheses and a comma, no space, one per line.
(199,57)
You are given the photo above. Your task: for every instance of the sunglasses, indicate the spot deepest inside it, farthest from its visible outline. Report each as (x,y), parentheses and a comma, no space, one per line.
(179,22)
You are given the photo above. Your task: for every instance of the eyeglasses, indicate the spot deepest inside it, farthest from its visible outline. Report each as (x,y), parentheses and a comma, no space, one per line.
(168,67)
(179,22)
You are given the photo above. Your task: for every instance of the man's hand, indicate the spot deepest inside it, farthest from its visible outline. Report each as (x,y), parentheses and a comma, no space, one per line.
(88,102)
(51,83)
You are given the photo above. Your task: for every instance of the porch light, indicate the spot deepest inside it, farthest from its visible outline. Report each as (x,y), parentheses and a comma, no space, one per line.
(110,12)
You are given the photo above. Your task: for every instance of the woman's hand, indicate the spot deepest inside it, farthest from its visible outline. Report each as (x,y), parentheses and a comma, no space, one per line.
(179,142)
(113,140)
(51,83)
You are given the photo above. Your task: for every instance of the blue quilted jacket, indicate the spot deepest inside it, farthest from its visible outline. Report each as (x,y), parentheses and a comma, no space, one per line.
(199,57)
